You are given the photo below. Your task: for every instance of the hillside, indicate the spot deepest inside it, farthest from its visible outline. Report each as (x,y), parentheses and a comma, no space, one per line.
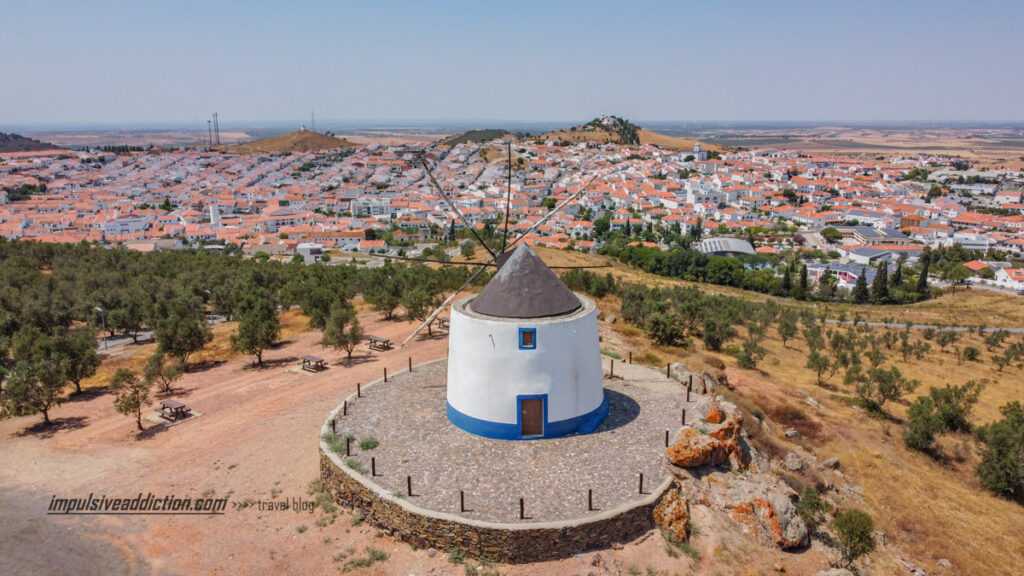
(299,141)
(18,143)
(611,129)
(475,136)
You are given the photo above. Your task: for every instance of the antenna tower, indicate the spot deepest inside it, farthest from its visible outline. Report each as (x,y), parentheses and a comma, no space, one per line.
(216,129)
(209,130)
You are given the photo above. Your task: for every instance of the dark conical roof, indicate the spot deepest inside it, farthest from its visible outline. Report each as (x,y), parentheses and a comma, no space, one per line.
(525,287)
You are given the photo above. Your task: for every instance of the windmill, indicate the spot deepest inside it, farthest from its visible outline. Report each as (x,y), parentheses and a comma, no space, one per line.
(499,258)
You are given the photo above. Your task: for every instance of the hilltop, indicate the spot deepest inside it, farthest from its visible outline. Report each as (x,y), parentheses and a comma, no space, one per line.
(475,136)
(19,143)
(612,129)
(298,141)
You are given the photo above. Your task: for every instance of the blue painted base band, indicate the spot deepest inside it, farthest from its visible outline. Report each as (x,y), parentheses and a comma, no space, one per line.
(584,424)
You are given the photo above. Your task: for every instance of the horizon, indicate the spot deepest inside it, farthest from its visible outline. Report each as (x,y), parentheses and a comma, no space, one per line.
(122,64)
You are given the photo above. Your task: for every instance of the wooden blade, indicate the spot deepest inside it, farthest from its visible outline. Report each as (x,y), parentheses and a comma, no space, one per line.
(559,207)
(443,305)
(454,209)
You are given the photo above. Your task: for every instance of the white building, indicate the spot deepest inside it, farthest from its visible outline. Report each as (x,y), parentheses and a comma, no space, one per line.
(524,359)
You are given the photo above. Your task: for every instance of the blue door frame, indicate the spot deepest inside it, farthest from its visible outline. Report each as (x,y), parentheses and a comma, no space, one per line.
(519,413)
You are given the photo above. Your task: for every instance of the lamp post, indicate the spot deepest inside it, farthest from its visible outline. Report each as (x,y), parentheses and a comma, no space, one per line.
(103,316)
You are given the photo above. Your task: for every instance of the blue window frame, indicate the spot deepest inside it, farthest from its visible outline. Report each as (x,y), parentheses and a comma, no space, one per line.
(527,338)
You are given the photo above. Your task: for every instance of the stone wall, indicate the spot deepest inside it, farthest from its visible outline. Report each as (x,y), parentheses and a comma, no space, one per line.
(496,542)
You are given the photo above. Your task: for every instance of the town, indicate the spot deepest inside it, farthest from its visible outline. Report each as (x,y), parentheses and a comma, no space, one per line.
(845,215)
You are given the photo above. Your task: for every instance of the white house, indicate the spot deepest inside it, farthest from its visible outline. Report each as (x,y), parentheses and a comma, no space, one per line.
(523,356)
(1010,278)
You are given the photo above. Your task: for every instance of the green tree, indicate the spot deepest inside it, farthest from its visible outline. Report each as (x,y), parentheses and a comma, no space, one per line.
(32,388)
(832,235)
(716,330)
(956,274)
(879,385)
(419,304)
(131,394)
(855,534)
(946,338)
(182,331)
(860,292)
(468,249)
(163,373)
(923,424)
(922,277)
(821,366)
(258,325)
(812,508)
(666,328)
(1001,469)
(801,287)
(77,352)
(750,354)
(787,326)
(343,330)
(880,285)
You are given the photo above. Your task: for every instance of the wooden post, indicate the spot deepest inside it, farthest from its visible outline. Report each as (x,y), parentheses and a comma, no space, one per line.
(348,446)
(359,390)
(641,482)
(684,417)
(373,465)
(410,363)
(462,501)
(668,370)
(385,373)
(613,368)
(590,500)
(408,485)
(687,394)
(630,356)
(344,408)
(522,510)
(690,385)
(334,426)
(666,438)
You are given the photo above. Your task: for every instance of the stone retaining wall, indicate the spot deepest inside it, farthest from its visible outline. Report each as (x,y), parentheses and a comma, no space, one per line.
(486,540)
(497,542)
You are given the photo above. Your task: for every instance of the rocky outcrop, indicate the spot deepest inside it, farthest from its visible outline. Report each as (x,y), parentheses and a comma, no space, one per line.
(723,441)
(772,520)
(673,514)
(760,504)
(835,572)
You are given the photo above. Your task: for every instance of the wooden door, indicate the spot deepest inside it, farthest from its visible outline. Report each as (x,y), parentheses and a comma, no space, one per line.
(532,416)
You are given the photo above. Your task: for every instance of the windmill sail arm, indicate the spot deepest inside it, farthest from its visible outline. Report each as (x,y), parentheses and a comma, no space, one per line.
(559,207)
(455,209)
(444,305)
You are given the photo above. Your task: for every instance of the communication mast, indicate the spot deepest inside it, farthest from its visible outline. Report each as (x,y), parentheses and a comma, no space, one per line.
(216,130)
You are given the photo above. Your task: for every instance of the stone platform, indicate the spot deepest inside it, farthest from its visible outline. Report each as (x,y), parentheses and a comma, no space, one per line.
(406,415)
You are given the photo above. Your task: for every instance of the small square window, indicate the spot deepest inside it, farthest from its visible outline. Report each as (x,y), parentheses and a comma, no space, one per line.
(527,338)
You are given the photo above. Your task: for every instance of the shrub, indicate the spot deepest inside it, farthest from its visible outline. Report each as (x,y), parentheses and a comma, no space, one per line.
(1001,469)
(811,509)
(368,443)
(923,424)
(355,465)
(855,534)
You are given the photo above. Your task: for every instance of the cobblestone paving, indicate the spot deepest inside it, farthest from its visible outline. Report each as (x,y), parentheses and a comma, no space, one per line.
(407,416)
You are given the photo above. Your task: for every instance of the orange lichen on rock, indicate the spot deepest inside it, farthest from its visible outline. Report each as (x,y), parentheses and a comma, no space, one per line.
(673,514)
(715,414)
(721,444)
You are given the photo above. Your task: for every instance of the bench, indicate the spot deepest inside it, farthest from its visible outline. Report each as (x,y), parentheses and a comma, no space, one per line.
(378,343)
(443,322)
(172,410)
(312,364)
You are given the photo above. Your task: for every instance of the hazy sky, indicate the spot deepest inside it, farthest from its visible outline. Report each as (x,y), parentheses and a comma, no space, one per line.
(143,61)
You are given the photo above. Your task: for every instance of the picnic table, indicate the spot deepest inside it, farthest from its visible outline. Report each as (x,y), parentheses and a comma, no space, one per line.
(378,343)
(173,410)
(312,363)
(443,322)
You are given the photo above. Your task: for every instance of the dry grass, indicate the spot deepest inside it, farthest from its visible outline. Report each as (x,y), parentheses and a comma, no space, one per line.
(134,357)
(301,141)
(922,505)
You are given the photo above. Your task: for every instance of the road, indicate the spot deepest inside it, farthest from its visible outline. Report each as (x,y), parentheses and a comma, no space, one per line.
(1013,330)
